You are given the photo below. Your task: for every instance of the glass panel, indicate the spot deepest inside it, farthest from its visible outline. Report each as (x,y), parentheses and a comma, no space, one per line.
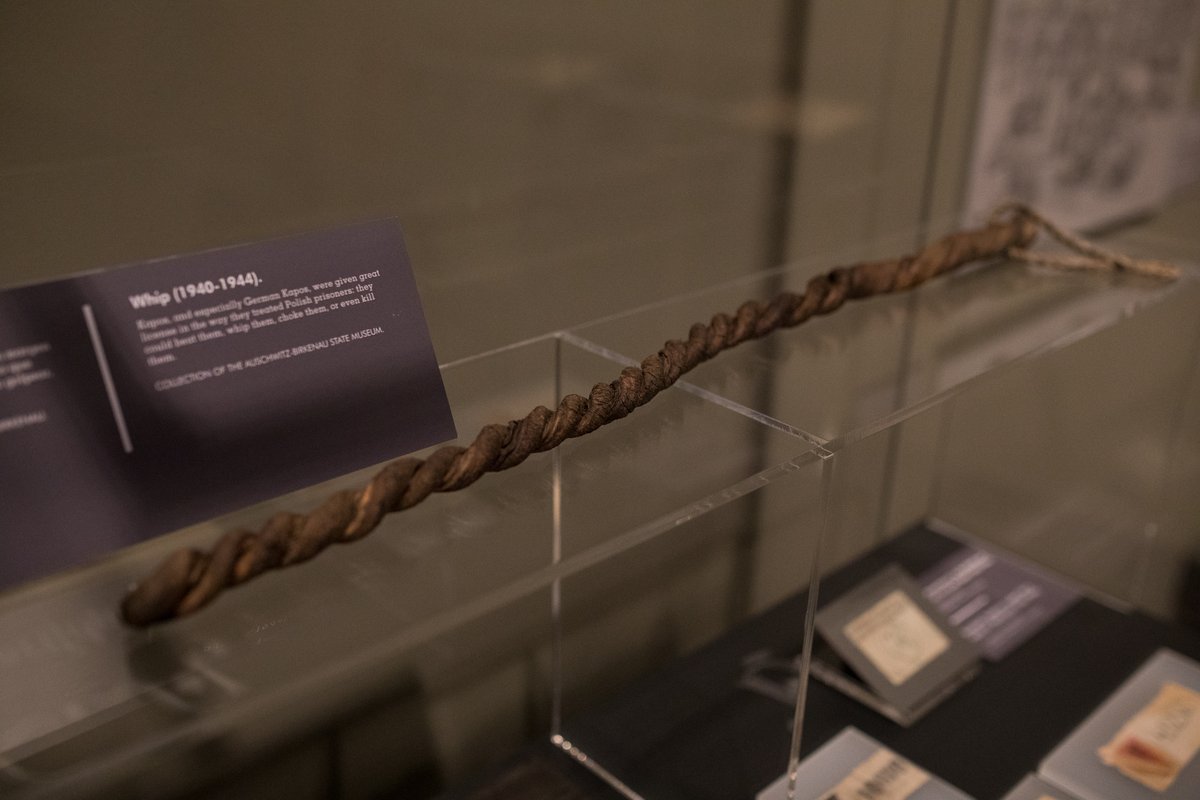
(661,643)
(872,363)
(1075,460)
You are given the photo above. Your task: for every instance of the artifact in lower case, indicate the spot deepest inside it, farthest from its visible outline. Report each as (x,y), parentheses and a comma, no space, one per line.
(190,579)
(1160,740)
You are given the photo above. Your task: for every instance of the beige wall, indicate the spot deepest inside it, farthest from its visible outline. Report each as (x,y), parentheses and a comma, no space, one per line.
(550,165)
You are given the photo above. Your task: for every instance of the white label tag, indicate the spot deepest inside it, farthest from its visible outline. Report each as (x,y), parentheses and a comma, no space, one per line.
(1159,740)
(883,776)
(897,637)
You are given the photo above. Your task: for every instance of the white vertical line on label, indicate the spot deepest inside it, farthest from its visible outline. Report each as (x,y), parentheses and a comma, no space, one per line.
(109,386)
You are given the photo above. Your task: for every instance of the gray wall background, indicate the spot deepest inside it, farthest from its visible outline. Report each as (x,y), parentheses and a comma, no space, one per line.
(551,164)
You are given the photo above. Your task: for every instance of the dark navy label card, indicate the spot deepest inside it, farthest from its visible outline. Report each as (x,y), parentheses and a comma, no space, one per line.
(139,400)
(994,601)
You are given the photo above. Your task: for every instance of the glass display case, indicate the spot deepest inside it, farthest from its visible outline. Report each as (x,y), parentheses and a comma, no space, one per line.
(570,600)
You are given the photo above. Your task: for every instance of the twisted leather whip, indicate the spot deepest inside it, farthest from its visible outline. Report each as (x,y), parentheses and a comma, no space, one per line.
(189,579)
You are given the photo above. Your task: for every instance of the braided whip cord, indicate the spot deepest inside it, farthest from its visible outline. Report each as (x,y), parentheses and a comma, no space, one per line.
(190,579)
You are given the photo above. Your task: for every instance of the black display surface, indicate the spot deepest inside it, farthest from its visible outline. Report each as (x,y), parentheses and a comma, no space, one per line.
(690,732)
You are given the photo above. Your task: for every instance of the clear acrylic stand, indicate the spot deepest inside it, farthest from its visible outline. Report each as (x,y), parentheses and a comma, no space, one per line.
(459,592)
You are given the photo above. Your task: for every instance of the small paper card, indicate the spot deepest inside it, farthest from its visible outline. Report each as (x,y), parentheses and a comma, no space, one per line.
(994,601)
(882,776)
(893,640)
(853,766)
(139,400)
(1141,744)
(1158,741)
(897,637)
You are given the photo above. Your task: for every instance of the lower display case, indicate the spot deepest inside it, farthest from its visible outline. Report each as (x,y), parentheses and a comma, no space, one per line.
(698,729)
